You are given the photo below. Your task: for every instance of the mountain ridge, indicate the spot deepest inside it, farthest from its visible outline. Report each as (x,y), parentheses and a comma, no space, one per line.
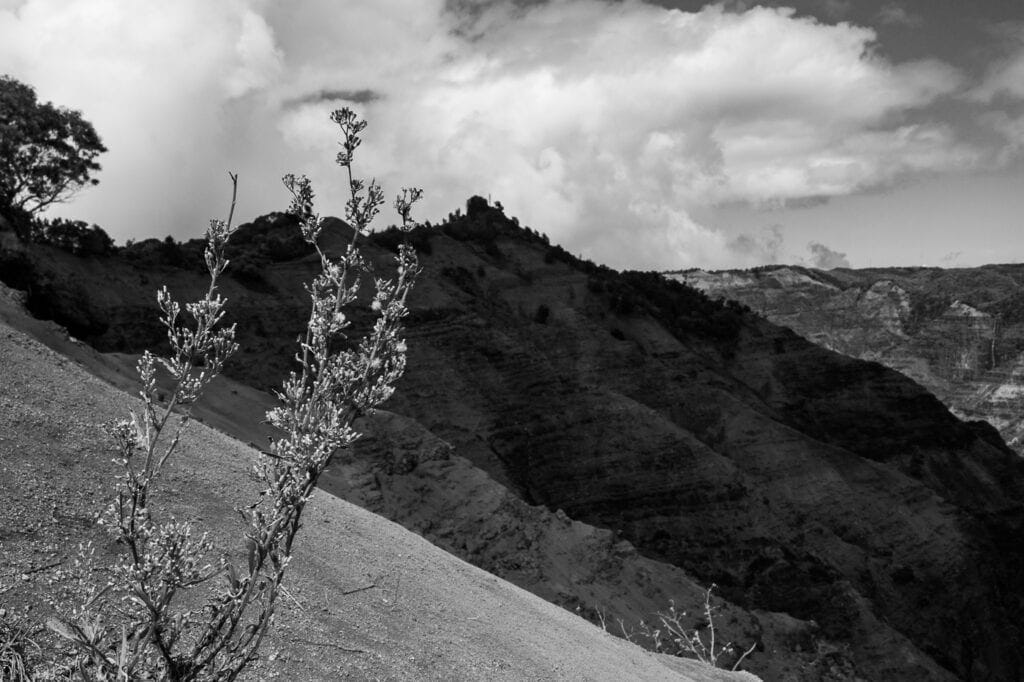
(796,479)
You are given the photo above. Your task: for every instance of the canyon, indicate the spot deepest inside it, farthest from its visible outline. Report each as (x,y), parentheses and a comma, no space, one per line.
(612,440)
(957,332)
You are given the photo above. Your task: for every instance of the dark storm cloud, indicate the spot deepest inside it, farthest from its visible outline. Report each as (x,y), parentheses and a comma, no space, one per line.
(808,202)
(363,96)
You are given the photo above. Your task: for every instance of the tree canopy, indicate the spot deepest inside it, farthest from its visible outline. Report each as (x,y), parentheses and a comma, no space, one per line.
(47,153)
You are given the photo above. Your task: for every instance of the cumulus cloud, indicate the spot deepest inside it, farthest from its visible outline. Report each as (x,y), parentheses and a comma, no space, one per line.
(606,125)
(825,258)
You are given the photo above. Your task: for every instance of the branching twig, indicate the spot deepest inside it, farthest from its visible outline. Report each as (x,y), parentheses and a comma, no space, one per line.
(358,589)
(43,568)
(673,636)
(331,645)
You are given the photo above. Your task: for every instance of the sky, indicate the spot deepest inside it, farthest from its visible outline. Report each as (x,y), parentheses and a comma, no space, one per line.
(663,134)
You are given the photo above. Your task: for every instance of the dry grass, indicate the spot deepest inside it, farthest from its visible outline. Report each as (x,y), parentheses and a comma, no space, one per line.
(15,646)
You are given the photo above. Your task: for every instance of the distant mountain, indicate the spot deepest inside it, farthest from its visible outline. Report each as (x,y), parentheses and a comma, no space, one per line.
(801,481)
(957,332)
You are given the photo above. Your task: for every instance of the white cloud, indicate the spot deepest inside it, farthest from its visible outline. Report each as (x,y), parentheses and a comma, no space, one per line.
(158,81)
(825,258)
(606,125)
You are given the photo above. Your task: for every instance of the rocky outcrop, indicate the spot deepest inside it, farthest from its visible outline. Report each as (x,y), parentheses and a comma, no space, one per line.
(798,480)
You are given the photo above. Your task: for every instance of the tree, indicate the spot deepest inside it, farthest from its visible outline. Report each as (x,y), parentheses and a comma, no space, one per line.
(75,236)
(47,153)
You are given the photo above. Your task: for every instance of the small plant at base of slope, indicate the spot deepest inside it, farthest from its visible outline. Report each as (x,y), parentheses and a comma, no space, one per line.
(134,627)
(673,637)
(15,642)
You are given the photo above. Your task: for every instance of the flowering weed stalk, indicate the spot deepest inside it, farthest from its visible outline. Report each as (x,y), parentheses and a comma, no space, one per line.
(136,626)
(674,637)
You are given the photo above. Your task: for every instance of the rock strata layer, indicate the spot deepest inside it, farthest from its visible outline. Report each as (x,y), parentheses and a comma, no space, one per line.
(959,333)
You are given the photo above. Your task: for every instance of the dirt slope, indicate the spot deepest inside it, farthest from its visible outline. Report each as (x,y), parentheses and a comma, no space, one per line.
(427,616)
(406,474)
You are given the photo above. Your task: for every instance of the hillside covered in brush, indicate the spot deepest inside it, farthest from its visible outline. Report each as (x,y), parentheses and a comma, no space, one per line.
(807,485)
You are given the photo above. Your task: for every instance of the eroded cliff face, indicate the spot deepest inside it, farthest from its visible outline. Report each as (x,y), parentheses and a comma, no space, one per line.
(959,333)
(798,480)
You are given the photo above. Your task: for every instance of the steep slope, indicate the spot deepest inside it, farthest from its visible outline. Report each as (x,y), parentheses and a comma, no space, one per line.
(797,479)
(406,474)
(959,333)
(367,599)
